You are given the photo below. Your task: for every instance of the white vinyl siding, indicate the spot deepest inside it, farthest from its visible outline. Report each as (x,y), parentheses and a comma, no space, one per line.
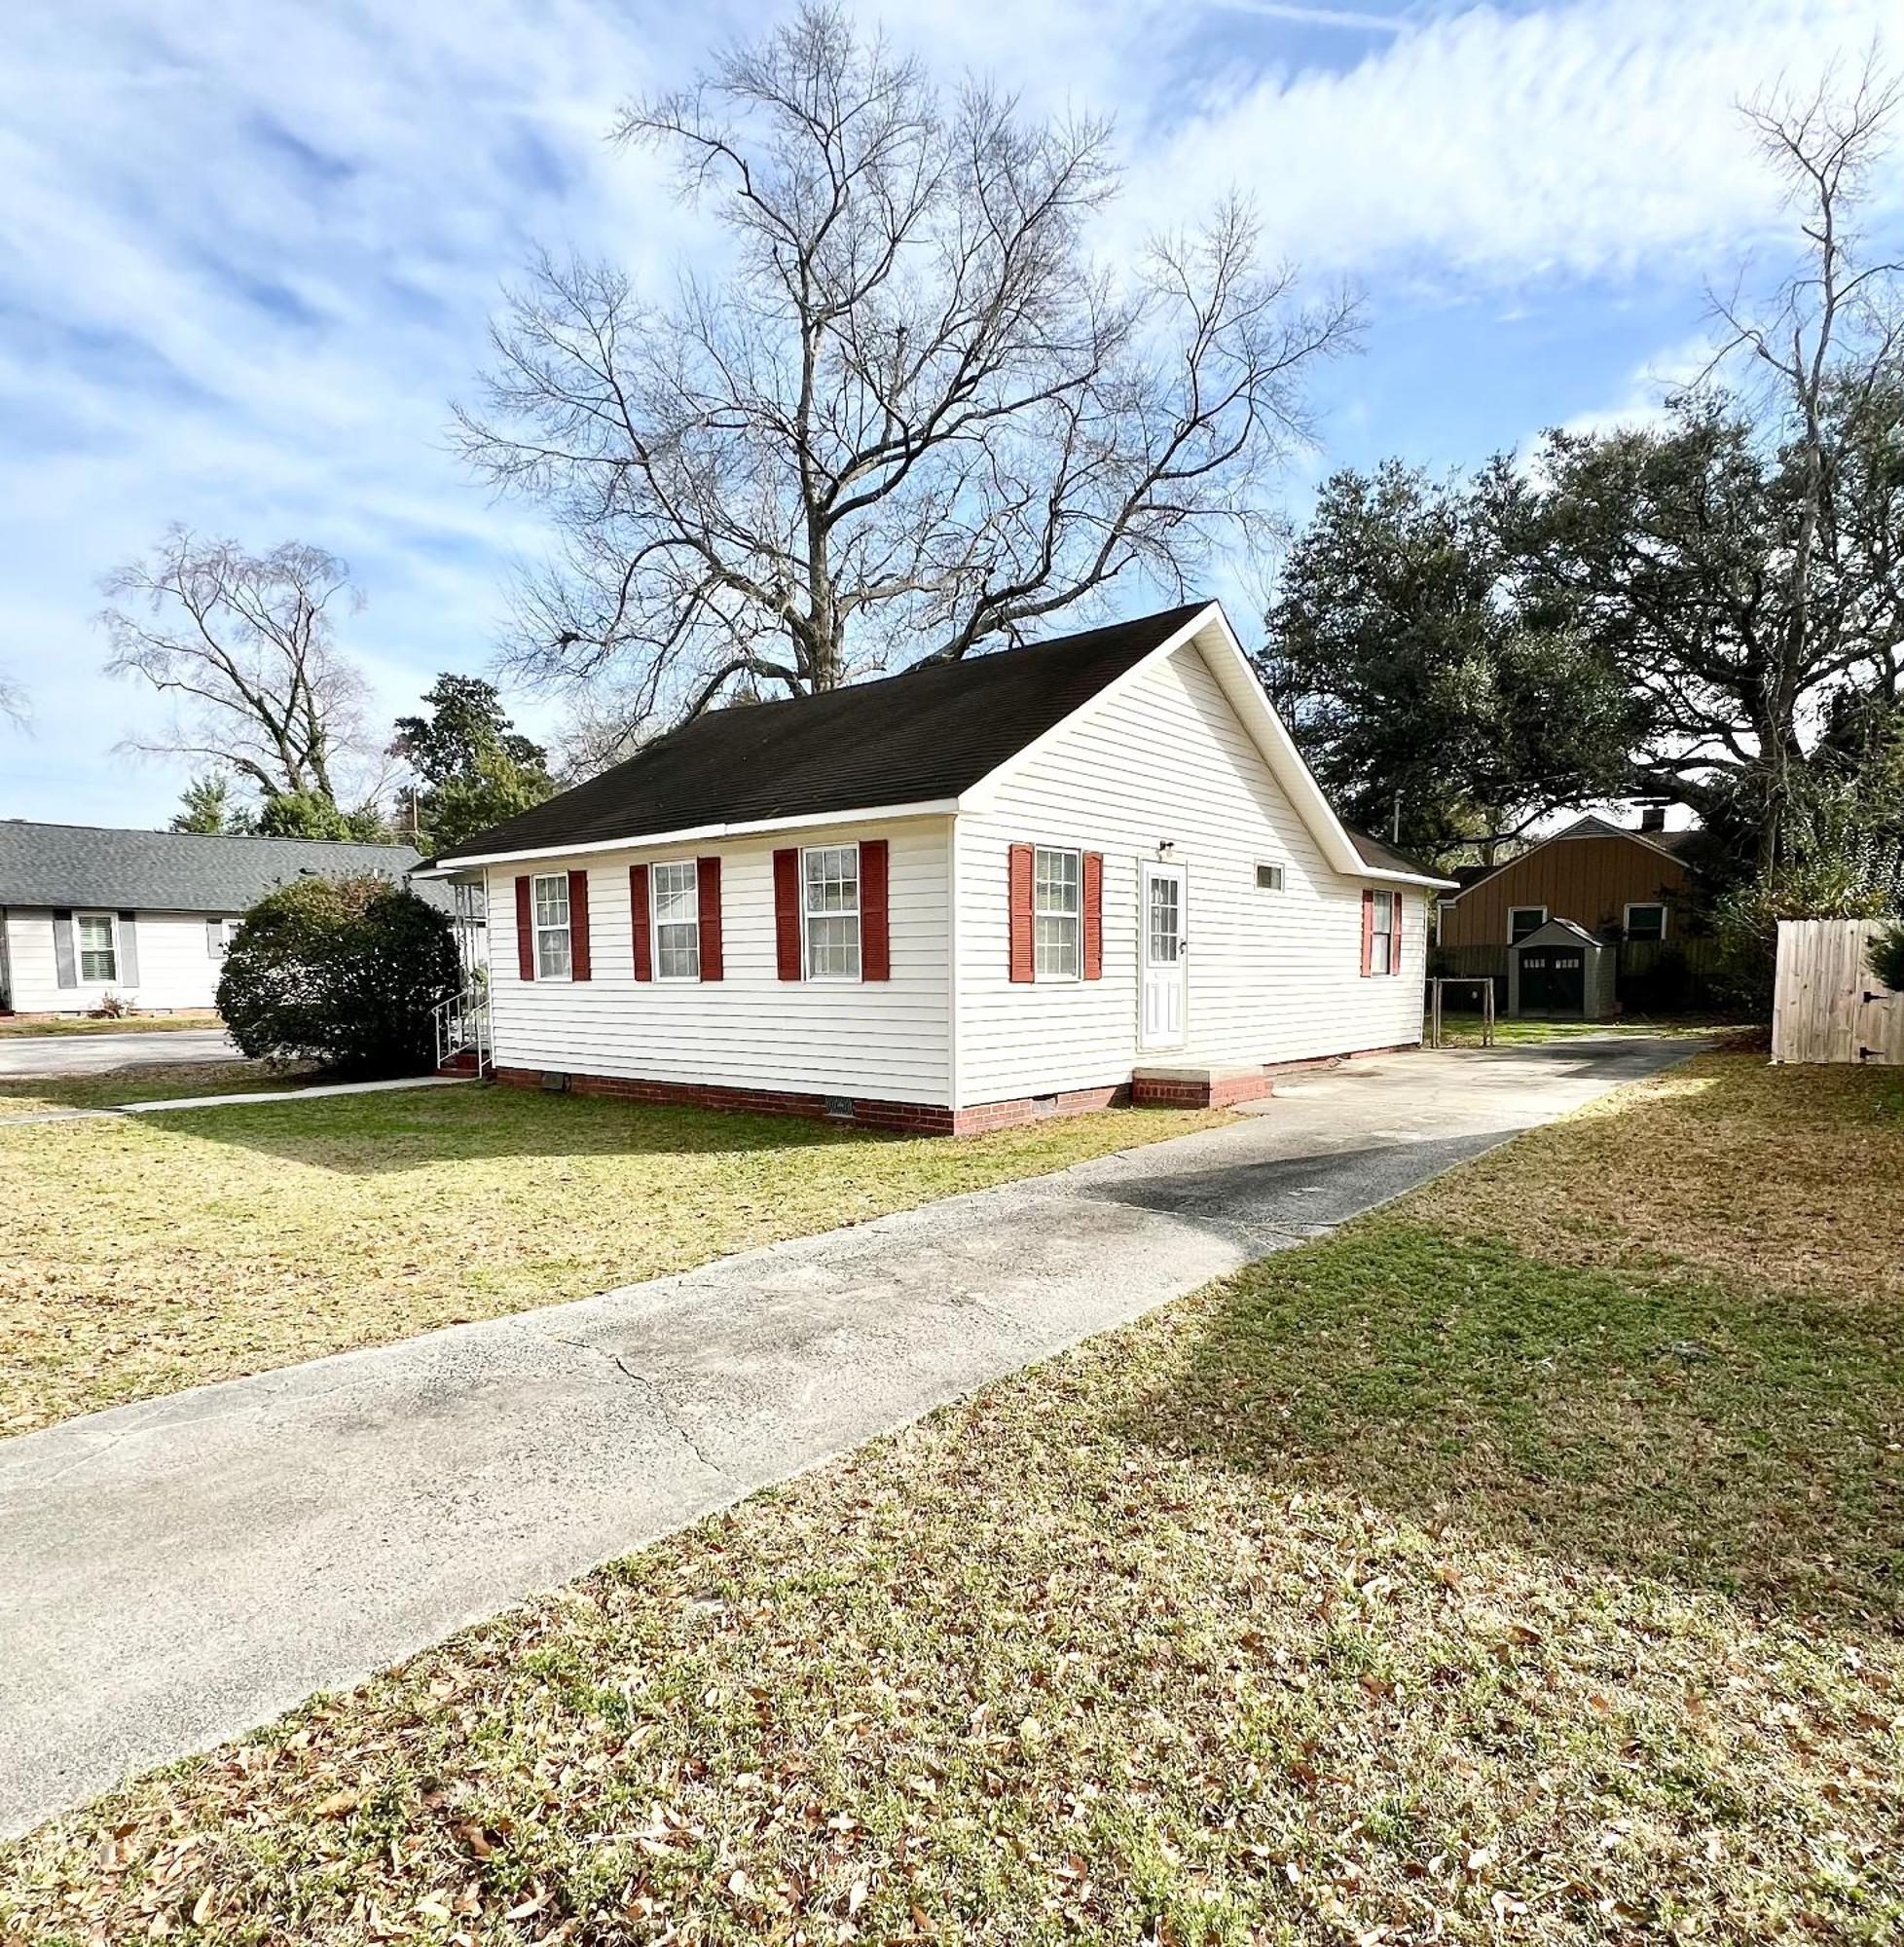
(176,969)
(1269,980)
(675,895)
(885,1038)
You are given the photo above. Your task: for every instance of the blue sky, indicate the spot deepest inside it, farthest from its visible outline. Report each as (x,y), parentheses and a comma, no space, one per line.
(248,252)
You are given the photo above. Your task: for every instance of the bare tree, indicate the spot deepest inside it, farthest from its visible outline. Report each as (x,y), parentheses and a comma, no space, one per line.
(914,416)
(13,702)
(1825,346)
(242,645)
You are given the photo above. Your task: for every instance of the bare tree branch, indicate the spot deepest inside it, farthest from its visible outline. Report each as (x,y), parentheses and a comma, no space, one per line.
(914,418)
(242,645)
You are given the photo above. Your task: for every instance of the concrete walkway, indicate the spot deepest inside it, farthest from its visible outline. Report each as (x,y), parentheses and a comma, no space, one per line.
(95,1053)
(174,1572)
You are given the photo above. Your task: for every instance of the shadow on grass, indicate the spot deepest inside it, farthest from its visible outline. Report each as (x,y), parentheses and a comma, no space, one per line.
(399,1130)
(1739,1441)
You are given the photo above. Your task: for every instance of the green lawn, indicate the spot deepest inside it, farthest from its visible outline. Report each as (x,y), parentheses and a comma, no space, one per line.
(18,1025)
(144,1254)
(1520,1564)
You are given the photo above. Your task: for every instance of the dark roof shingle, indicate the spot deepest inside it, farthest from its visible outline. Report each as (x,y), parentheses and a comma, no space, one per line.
(170,871)
(928,733)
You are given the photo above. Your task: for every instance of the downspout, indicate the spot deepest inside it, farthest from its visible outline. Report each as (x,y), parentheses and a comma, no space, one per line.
(955,1101)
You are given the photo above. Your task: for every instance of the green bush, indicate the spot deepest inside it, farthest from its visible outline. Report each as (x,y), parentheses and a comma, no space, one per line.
(1745,924)
(343,973)
(1887,955)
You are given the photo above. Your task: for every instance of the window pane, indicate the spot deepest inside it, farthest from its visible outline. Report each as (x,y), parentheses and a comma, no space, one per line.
(552,899)
(833,879)
(1057,947)
(1523,920)
(1164,923)
(1056,882)
(95,944)
(552,954)
(1646,923)
(677,950)
(833,947)
(677,895)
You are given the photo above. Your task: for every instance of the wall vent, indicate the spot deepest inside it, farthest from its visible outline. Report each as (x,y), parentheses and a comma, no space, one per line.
(839,1108)
(555,1082)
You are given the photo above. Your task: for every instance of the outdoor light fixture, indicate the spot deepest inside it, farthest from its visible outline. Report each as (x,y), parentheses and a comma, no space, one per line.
(1166,846)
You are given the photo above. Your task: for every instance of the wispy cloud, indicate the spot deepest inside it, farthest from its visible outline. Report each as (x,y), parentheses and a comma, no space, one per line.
(249,247)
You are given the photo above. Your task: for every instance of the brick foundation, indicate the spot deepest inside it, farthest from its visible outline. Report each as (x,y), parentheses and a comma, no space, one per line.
(929,1118)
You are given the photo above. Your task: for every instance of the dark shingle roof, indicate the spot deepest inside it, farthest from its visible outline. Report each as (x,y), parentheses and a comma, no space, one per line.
(928,733)
(1387,858)
(169,871)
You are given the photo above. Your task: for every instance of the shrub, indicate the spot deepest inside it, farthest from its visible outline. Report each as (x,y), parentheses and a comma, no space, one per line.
(1887,955)
(343,973)
(1745,924)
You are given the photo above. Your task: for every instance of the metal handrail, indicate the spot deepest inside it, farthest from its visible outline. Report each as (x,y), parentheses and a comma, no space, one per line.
(461,1026)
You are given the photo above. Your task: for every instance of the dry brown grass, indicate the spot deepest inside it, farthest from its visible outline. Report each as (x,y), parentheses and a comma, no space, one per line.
(1792,1177)
(1408,1588)
(144,1255)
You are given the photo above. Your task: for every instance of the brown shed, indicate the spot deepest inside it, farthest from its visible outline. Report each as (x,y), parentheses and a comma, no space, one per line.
(1599,875)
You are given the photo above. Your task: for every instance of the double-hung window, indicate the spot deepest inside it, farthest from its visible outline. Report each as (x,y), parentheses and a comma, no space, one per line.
(1385,938)
(1523,920)
(830,901)
(552,952)
(677,890)
(1646,921)
(1056,914)
(97,940)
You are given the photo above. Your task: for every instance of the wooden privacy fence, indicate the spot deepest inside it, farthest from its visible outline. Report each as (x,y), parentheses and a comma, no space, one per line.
(1829,1006)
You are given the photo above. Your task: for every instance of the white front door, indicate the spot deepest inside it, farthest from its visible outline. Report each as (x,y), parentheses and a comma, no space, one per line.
(1163,958)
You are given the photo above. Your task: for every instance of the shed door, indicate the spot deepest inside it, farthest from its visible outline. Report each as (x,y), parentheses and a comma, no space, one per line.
(1165,1017)
(1553,980)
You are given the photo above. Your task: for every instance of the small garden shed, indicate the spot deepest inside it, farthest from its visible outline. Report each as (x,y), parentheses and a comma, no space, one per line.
(1562,973)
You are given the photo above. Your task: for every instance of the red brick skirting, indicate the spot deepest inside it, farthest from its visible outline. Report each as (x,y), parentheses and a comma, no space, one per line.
(929,1118)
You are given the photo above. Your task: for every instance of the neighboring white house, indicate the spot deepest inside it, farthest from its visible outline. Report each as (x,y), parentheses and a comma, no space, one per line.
(1090,870)
(86,912)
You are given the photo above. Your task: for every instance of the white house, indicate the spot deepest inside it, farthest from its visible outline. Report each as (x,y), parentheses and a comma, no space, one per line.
(86,911)
(1053,878)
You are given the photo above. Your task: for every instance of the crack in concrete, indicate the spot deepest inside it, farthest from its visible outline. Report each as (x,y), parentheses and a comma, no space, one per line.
(664,1408)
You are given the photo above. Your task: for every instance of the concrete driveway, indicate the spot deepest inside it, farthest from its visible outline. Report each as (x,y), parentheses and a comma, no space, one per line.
(175,1573)
(95,1053)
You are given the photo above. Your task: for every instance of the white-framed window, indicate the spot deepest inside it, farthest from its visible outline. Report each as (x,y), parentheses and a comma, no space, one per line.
(553,955)
(1646,919)
(1385,936)
(95,943)
(1269,878)
(1523,920)
(676,903)
(1057,908)
(829,911)
(219,935)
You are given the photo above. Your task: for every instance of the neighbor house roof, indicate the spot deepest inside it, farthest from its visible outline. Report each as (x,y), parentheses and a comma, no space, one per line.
(917,741)
(1589,824)
(169,871)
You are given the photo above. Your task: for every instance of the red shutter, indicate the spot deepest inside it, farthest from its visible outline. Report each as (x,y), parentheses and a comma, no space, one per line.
(1018,886)
(875,912)
(638,922)
(706,887)
(578,963)
(525,930)
(786,912)
(1367,933)
(1093,915)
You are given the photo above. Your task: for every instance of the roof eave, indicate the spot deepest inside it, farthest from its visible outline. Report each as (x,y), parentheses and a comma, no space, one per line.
(449,866)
